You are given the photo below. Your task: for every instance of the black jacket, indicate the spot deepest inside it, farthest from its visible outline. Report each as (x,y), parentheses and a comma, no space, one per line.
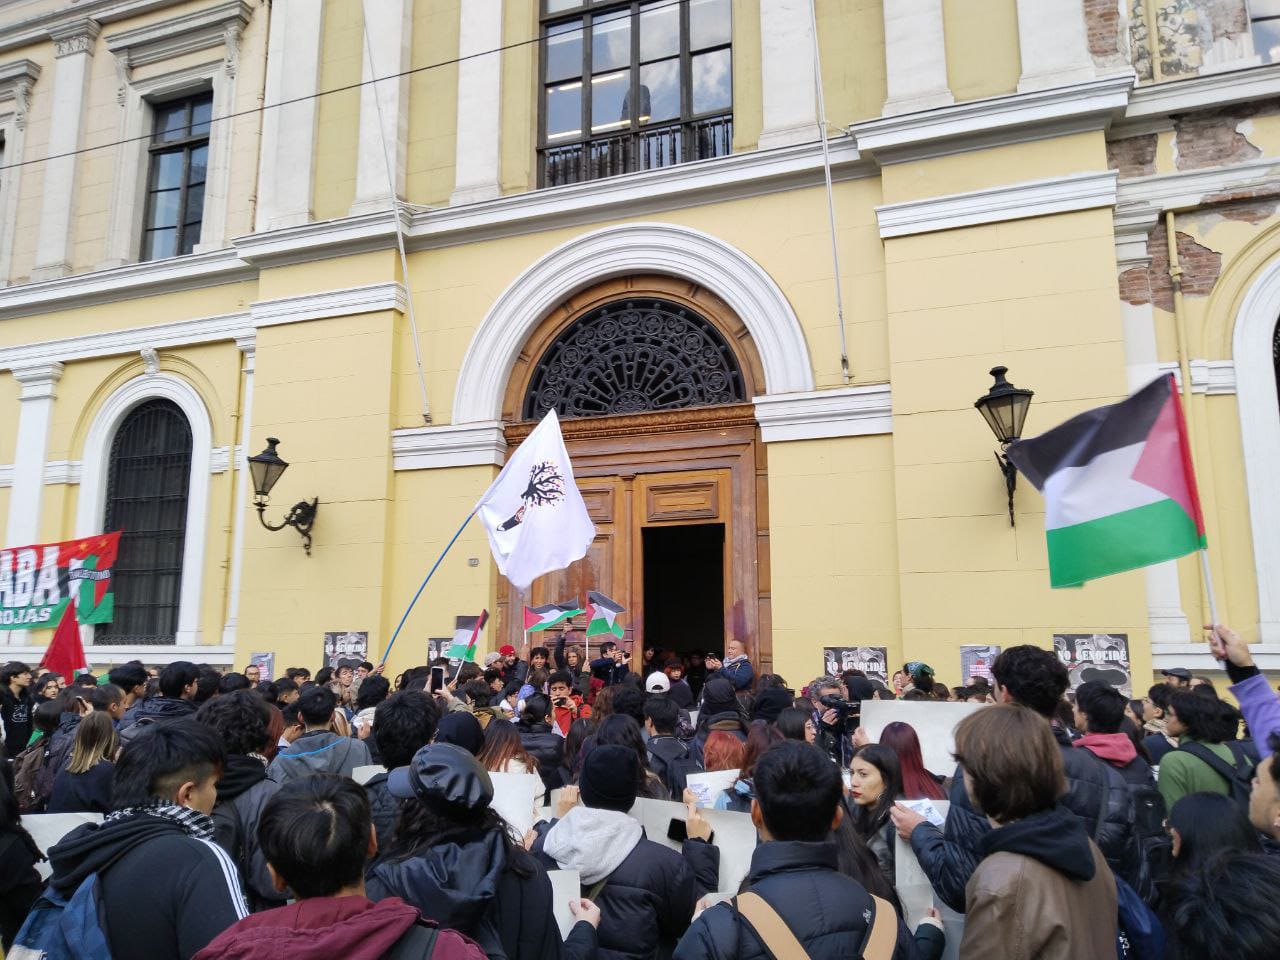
(60,744)
(822,907)
(729,722)
(19,882)
(166,894)
(158,709)
(242,793)
(1096,793)
(385,810)
(681,694)
(648,901)
(662,750)
(16,715)
(88,792)
(479,885)
(547,747)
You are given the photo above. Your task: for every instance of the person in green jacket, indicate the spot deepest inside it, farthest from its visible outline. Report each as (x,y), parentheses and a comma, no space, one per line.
(1208,721)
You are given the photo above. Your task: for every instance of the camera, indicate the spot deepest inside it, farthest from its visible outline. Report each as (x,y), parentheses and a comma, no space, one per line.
(833,702)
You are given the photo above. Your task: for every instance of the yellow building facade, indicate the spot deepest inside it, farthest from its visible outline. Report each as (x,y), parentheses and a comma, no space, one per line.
(390,233)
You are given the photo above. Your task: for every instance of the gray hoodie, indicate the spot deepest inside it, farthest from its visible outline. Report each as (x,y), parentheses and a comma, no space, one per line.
(319,752)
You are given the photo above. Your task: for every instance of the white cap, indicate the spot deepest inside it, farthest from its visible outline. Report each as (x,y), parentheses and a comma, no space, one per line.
(657,683)
(491,658)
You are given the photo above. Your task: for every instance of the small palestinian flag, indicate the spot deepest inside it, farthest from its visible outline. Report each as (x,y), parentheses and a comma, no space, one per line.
(548,615)
(602,615)
(1118,484)
(466,634)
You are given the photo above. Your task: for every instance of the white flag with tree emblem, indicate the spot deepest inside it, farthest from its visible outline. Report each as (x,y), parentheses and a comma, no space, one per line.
(533,512)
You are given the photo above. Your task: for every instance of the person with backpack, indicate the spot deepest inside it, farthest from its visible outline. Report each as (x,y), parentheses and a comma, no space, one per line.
(1099,713)
(318,749)
(84,785)
(669,757)
(179,683)
(317,837)
(242,721)
(646,892)
(151,871)
(1207,758)
(795,901)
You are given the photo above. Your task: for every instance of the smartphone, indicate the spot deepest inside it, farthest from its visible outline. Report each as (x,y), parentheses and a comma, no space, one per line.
(677,830)
(437,679)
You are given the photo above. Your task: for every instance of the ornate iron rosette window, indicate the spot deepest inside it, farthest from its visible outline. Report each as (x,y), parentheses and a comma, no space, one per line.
(634,356)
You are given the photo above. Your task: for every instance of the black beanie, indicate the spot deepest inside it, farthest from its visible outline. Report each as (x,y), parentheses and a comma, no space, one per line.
(608,779)
(771,702)
(718,697)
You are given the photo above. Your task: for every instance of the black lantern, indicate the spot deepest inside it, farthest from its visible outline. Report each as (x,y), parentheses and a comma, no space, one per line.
(266,468)
(1004,407)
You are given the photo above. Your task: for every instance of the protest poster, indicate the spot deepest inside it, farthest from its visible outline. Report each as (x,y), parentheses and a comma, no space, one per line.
(707,786)
(266,664)
(345,645)
(734,834)
(566,885)
(1096,656)
(916,894)
(934,723)
(514,795)
(976,661)
(47,829)
(37,582)
(436,647)
(873,661)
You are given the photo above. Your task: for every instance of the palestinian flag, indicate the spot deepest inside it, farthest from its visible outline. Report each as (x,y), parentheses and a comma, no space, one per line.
(602,615)
(466,634)
(548,615)
(1118,484)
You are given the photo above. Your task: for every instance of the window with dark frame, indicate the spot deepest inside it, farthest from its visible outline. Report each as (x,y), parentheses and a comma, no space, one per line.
(633,86)
(179,160)
(148,479)
(1265,15)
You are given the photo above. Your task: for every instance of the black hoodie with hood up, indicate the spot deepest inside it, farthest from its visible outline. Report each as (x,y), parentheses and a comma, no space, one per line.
(166,893)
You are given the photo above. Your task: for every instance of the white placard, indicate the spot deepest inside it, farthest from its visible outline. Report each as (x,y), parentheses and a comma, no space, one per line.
(693,718)
(656,816)
(934,723)
(708,786)
(735,835)
(47,829)
(916,893)
(513,800)
(363,775)
(566,885)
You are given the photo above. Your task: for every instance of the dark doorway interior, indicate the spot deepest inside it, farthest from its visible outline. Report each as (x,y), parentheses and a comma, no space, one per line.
(684,587)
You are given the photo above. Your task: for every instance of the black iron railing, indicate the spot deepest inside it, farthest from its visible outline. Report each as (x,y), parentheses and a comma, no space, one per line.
(649,149)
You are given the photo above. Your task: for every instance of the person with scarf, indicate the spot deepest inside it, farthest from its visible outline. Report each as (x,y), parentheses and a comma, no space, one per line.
(242,721)
(646,892)
(735,667)
(156,849)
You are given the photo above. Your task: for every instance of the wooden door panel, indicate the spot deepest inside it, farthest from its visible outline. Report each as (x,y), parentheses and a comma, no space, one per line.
(689,500)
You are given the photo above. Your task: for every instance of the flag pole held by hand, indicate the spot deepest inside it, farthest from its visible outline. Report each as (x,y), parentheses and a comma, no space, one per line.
(1208,586)
(400,625)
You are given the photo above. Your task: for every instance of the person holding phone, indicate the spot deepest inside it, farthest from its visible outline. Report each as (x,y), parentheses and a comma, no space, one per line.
(566,705)
(612,665)
(735,667)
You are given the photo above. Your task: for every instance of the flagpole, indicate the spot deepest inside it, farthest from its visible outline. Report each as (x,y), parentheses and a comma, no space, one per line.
(400,625)
(1208,586)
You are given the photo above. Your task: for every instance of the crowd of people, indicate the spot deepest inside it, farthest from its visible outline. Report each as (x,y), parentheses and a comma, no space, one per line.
(1080,824)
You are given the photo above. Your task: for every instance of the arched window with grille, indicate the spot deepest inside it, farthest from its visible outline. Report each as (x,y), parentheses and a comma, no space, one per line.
(148,480)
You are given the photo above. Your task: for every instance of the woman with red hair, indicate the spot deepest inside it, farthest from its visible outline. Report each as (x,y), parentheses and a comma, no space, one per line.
(917,782)
(723,751)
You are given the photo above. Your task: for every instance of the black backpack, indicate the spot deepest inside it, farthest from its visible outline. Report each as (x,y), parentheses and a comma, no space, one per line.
(1239,776)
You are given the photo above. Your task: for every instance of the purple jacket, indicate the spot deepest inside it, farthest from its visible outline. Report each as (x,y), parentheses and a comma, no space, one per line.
(1261,709)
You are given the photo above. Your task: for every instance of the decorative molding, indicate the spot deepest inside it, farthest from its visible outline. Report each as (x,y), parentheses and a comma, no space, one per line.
(620,250)
(1203,92)
(1186,189)
(38,379)
(36,29)
(17,77)
(220,459)
(841,412)
(451,445)
(62,471)
(74,37)
(178,36)
(1212,377)
(130,340)
(150,360)
(994,121)
(157,655)
(1251,350)
(371,298)
(96,456)
(1132,223)
(1196,657)
(1014,201)
(6,475)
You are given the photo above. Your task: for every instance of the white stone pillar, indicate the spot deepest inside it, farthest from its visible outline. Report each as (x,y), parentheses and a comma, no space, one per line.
(73,48)
(915,54)
(787,73)
(240,470)
(286,172)
(1054,44)
(478,174)
(16,82)
(384,106)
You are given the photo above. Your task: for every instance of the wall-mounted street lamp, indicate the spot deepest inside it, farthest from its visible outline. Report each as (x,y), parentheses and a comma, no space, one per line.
(1004,407)
(266,468)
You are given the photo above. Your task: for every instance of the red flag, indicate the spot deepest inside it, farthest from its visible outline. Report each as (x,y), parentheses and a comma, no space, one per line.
(66,654)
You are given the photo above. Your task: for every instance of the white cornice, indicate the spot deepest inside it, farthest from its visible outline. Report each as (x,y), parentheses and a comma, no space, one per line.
(153,655)
(1201,93)
(994,121)
(1014,201)
(1189,188)
(371,298)
(123,283)
(131,340)
(1197,658)
(33,30)
(62,471)
(451,445)
(839,412)
(1214,377)
(180,35)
